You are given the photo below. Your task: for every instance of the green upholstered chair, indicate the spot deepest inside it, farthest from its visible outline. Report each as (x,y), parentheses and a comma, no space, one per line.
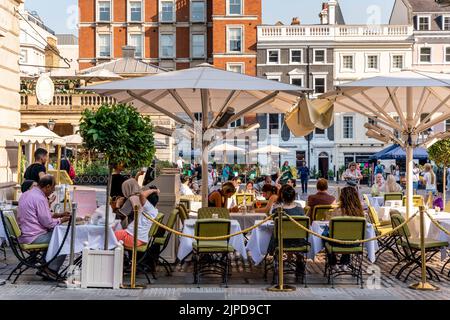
(212,256)
(349,229)
(207,213)
(295,242)
(323,212)
(411,249)
(30,256)
(417,201)
(392,196)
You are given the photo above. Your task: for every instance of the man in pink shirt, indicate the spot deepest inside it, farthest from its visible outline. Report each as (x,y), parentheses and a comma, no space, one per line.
(36,221)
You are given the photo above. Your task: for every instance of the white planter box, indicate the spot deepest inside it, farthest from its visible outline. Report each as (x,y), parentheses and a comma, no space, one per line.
(102,268)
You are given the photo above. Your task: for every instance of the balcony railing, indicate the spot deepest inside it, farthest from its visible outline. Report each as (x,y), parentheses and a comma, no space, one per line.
(66,101)
(333,32)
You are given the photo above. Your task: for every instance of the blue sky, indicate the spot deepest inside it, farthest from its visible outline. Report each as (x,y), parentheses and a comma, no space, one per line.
(60,15)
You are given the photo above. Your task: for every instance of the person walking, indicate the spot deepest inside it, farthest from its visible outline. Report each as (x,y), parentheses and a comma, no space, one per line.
(304,177)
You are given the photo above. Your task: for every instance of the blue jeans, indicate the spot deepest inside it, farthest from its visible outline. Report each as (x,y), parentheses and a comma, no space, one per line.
(56,264)
(416,185)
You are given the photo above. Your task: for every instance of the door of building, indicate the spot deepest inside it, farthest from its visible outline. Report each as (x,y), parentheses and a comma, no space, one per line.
(323,165)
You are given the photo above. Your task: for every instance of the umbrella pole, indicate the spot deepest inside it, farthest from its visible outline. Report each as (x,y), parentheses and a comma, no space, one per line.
(47,147)
(204,173)
(58,166)
(19,163)
(409,181)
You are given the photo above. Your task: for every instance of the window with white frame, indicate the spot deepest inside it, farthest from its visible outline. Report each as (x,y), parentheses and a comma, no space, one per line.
(397,61)
(198,45)
(234,35)
(425,54)
(446,23)
(347,126)
(273,56)
(297,80)
(274,78)
(104,11)
(296,56)
(319,55)
(447,54)
(235,67)
(447,125)
(167,11)
(104,45)
(167,42)
(372,62)
(198,11)
(135,11)
(234,7)
(423,23)
(320,84)
(23,58)
(136,41)
(347,62)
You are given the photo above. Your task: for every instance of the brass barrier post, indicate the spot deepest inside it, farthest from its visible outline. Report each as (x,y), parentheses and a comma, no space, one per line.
(281,287)
(134,253)
(423,284)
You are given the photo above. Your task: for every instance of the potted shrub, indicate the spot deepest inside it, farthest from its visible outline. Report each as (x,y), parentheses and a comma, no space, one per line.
(123,136)
(439,153)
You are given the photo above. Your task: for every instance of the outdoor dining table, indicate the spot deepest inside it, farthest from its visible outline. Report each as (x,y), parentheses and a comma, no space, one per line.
(258,243)
(185,246)
(247,219)
(93,234)
(376,201)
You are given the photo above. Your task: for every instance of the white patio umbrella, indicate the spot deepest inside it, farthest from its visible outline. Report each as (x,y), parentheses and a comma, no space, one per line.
(99,75)
(269,149)
(407,95)
(220,96)
(225,148)
(73,139)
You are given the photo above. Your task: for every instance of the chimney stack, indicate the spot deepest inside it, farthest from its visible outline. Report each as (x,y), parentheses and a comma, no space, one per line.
(332,4)
(295,21)
(128,52)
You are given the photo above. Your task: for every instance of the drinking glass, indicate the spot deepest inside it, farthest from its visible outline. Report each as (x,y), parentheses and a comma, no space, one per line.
(258,204)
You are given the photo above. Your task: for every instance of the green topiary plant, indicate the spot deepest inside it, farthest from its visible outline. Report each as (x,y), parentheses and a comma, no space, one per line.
(122,134)
(440,154)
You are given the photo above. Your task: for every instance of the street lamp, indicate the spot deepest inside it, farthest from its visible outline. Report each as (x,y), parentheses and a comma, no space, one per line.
(309,138)
(51,124)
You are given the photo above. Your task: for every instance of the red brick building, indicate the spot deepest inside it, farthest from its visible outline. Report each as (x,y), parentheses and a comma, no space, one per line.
(174,34)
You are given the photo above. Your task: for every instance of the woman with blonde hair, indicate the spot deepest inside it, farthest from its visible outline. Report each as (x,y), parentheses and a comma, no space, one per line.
(430,179)
(391,185)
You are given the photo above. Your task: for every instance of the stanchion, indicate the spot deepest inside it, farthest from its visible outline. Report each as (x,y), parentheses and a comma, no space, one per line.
(71,271)
(134,254)
(423,284)
(280,287)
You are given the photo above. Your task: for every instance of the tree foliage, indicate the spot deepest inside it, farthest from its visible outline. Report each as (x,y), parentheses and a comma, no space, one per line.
(121,133)
(440,152)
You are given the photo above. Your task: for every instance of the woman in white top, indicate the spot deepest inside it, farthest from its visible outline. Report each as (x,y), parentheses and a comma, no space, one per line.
(430,179)
(184,187)
(378,187)
(391,185)
(146,201)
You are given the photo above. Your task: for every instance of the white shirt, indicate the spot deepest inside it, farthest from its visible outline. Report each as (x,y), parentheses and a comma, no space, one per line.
(185,190)
(180,163)
(144,224)
(415,176)
(429,186)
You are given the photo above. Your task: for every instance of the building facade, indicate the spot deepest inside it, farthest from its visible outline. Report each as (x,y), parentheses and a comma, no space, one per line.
(174,34)
(321,57)
(430,20)
(9,93)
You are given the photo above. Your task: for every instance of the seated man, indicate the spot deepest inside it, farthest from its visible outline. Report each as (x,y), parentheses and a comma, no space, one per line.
(36,221)
(322,197)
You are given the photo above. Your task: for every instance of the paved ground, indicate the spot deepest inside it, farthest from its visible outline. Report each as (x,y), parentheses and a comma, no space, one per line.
(245,283)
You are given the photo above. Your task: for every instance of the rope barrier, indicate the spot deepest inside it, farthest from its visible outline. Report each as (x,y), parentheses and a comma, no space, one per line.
(349,241)
(178,233)
(437,224)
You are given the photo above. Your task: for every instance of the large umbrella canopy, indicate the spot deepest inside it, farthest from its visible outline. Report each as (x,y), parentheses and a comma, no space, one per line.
(99,75)
(73,139)
(395,152)
(270,149)
(39,134)
(419,100)
(225,147)
(220,96)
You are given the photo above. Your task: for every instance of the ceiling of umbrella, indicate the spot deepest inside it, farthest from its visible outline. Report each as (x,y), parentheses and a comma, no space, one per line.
(180,94)
(385,100)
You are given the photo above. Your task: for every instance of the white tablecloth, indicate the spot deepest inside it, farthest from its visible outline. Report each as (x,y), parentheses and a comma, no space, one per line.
(93,234)
(246,220)
(258,243)
(185,246)
(376,201)
(317,244)
(301,203)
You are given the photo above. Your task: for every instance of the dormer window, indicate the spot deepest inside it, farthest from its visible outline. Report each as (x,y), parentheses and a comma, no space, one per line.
(423,23)
(446,23)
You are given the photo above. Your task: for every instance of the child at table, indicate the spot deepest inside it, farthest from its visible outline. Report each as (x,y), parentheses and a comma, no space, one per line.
(146,201)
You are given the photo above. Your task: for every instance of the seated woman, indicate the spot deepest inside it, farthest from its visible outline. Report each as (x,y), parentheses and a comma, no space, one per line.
(271,194)
(249,187)
(184,187)
(286,200)
(378,187)
(219,198)
(391,185)
(349,205)
(146,201)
